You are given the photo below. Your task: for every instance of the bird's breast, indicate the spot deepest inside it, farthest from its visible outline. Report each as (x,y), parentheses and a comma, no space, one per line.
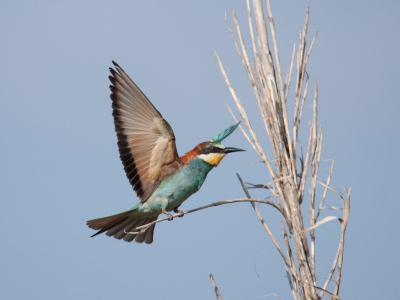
(183,183)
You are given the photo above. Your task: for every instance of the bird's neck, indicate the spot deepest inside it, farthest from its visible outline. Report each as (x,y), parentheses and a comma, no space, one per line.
(192,154)
(199,167)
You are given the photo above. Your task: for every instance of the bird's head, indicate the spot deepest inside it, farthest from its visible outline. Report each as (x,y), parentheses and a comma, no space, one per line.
(213,152)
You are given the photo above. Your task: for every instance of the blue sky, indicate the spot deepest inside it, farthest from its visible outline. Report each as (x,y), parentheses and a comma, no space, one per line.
(59,163)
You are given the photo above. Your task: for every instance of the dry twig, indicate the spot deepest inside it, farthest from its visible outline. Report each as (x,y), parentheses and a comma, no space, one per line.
(215,288)
(144,227)
(287,182)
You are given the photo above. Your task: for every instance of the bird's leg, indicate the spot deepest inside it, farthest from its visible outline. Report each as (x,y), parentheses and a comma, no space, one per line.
(170,217)
(176,210)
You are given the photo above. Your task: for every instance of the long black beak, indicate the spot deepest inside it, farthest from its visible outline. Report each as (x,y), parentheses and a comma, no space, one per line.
(231,149)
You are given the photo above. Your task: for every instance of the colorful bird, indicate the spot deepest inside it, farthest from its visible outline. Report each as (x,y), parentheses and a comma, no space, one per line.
(161,179)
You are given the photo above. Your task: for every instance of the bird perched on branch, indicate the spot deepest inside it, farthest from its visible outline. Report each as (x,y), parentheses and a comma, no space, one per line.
(161,179)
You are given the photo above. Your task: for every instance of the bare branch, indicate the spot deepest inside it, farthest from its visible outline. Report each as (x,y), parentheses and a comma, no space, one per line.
(333,268)
(287,186)
(332,296)
(293,270)
(296,289)
(215,288)
(328,181)
(144,227)
(289,75)
(275,295)
(346,212)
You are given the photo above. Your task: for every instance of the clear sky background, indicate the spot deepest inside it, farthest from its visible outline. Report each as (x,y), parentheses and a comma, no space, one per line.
(59,164)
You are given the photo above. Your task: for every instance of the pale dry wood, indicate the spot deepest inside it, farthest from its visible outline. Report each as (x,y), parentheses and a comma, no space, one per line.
(311,47)
(275,295)
(251,28)
(215,288)
(331,272)
(272,189)
(277,61)
(303,175)
(316,156)
(339,253)
(295,287)
(311,145)
(290,194)
(246,58)
(278,135)
(328,181)
(289,76)
(319,223)
(255,140)
(253,78)
(245,61)
(144,227)
(243,114)
(271,95)
(299,112)
(331,295)
(346,213)
(287,263)
(329,188)
(281,97)
(314,173)
(241,128)
(300,58)
(332,207)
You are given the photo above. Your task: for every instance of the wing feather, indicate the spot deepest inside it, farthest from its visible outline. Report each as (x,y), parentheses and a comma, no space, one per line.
(146,141)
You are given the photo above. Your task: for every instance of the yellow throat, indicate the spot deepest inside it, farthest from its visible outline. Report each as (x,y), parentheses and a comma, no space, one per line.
(212,158)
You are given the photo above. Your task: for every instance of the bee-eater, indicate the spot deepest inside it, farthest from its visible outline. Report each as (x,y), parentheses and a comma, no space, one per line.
(161,179)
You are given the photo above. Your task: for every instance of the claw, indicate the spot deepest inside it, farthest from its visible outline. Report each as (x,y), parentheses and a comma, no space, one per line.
(170,217)
(179,212)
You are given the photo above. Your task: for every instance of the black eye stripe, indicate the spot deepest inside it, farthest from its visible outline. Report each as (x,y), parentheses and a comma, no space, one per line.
(211,149)
(215,150)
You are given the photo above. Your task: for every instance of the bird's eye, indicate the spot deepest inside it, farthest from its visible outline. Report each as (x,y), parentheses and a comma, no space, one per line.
(213,149)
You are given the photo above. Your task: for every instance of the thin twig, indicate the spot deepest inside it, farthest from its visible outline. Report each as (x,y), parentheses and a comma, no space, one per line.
(346,212)
(333,268)
(289,75)
(144,227)
(271,95)
(328,181)
(215,287)
(316,156)
(291,260)
(275,295)
(292,269)
(332,296)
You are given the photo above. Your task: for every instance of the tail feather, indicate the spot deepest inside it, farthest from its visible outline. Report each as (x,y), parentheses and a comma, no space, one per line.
(118,229)
(147,236)
(107,223)
(140,237)
(130,228)
(121,232)
(150,232)
(131,236)
(121,224)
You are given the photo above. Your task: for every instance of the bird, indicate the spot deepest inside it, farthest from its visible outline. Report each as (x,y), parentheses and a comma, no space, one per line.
(161,178)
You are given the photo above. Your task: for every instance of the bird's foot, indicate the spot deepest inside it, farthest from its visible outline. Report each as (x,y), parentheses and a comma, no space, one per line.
(170,217)
(179,212)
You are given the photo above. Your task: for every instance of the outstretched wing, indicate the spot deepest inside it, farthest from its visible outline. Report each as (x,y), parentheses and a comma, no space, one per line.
(146,141)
